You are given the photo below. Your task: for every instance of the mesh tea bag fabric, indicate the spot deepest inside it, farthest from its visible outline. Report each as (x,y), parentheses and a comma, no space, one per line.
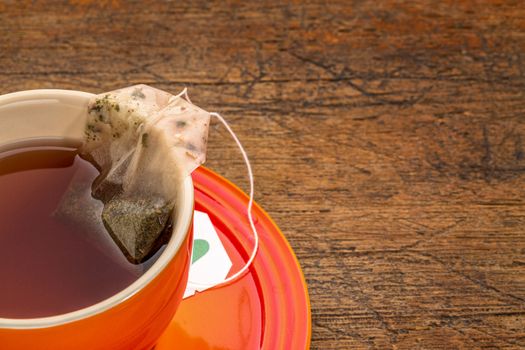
(144,142)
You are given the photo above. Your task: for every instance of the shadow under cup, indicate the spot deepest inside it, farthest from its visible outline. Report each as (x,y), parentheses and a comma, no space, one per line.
(132,319)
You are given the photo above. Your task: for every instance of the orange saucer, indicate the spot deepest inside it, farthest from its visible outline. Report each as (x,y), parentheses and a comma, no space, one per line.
(267,308)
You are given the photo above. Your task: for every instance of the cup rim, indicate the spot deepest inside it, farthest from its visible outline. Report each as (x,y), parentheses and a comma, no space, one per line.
(179,234)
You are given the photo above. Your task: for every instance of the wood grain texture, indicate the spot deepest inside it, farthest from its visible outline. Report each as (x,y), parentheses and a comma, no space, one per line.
(387,139)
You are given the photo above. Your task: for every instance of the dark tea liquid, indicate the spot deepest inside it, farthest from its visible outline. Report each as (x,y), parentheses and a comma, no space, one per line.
(51,263)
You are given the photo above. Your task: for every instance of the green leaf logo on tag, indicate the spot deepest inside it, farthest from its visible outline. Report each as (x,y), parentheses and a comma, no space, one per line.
(210,262)
(200,248)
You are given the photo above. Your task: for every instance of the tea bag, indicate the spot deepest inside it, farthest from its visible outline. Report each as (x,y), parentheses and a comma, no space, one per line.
(144,142)
(78,209)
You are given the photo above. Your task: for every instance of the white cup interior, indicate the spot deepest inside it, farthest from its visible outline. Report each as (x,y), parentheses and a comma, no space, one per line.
(57,118)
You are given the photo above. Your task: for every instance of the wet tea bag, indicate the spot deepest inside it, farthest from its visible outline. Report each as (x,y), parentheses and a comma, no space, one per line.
(144,142)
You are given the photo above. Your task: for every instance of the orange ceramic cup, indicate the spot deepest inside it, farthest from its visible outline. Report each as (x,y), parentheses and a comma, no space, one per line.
(134,318)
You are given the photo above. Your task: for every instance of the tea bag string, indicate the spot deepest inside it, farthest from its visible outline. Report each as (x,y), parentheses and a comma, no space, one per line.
(249,209)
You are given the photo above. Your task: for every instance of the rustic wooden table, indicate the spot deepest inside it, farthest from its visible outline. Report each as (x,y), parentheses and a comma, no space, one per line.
(387,141)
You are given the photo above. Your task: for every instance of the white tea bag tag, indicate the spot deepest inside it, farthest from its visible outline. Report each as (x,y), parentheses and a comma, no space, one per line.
(210,262)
